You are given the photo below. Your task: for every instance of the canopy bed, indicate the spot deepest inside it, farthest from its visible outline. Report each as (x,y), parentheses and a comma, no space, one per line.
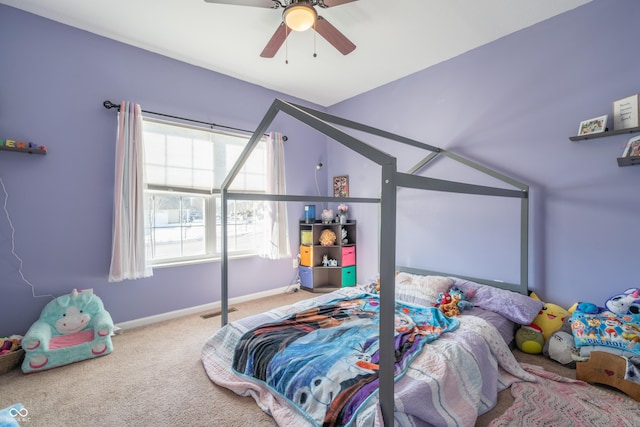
(381,406)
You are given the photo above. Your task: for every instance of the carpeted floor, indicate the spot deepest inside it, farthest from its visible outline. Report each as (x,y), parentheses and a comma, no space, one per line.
(558,401)
(154,377)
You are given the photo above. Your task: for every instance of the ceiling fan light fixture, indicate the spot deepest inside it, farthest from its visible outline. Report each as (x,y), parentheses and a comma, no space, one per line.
(299,16)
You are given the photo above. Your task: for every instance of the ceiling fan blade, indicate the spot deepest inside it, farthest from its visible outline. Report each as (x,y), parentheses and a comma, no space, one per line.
(332,3)
(270,4)
(276,41)
(333,36)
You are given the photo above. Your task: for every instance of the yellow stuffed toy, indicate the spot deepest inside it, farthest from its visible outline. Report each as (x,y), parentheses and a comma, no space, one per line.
(550,317)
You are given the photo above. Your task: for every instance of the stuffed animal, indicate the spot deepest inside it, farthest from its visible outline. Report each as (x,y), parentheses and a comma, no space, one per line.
(9,344)
(327,237)
(561,346)
(550,317)
(625,303)
(585,307)
(443,298)
(463,304)
(450,308)
(529,339)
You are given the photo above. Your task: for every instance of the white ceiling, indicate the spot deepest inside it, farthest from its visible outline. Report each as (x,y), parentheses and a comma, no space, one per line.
(394,38)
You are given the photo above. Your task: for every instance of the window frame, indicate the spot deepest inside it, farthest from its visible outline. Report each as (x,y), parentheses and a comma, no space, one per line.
(210,205)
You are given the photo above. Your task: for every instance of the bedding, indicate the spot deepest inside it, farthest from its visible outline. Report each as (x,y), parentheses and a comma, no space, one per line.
(453,379)
(618,332)
(324,359)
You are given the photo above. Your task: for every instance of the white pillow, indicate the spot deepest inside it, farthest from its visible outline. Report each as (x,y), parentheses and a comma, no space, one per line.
(421,290)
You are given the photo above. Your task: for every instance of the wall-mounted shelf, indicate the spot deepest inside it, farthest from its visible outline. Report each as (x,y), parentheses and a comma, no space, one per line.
(628,161)
(622,161)
(23,150)
(604,134)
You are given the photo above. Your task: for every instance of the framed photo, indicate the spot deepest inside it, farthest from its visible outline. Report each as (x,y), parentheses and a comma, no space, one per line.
(632,149)
(341,186)
(595,125)
(625,113)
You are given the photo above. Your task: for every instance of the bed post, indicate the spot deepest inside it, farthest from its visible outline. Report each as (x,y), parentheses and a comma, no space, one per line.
(224,267)
(387,290)
(524,241)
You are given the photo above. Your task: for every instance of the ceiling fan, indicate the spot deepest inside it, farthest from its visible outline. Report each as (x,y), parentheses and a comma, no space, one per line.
(298,15)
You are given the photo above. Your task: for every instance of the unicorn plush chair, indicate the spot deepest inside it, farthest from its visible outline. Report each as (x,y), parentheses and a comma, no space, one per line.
(71,328)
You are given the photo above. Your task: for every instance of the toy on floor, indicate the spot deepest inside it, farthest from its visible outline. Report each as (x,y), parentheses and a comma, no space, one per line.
(561,346)
(529,339)
(550,317)
(9,344)
(626,303)
(71,328)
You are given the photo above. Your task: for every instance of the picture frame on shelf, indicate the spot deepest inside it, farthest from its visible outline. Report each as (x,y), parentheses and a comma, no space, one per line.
(341,186)
(595,125)
(632,149)
(626,113)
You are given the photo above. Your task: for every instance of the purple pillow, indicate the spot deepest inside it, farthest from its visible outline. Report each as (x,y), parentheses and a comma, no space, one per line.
(516,307)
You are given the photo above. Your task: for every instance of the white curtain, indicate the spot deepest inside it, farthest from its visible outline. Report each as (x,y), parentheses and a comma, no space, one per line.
(127,254)
(276,243)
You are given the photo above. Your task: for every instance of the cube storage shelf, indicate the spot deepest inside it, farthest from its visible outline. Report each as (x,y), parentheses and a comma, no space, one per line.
(314,276)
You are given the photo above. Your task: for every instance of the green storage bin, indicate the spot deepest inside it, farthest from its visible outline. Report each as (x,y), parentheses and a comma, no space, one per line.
(349,276)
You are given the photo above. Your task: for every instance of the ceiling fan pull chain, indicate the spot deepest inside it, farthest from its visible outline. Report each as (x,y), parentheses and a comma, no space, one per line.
(286,45)
(315,55)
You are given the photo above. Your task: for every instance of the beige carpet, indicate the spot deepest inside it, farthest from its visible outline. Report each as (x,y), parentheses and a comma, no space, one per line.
(154,377)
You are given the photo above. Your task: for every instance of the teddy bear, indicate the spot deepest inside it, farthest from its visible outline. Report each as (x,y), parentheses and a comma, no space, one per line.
(449,306)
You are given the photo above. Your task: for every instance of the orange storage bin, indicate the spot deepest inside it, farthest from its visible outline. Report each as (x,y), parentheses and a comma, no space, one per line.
(306,256)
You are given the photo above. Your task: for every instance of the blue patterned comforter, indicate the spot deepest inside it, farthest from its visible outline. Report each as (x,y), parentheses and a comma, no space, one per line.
(325,359)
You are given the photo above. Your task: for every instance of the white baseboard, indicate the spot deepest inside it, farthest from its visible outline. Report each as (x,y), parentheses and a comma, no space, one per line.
(144,321)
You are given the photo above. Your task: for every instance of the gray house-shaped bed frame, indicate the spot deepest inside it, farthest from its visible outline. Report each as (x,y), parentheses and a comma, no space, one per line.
(391,180)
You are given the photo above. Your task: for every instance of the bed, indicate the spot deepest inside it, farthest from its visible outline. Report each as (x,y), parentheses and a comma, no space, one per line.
(391,180)
(328,374)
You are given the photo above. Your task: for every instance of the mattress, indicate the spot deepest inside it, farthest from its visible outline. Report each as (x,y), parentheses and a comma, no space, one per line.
(451,381)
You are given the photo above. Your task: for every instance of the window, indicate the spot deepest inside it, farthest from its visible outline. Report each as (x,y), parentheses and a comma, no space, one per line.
(185,167)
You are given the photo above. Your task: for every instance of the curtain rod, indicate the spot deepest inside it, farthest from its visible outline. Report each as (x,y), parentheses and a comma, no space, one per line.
(109,105)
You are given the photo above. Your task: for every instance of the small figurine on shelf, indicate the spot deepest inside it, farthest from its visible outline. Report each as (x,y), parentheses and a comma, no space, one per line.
(343,233)
(327,216)
(342,213)
(325,260)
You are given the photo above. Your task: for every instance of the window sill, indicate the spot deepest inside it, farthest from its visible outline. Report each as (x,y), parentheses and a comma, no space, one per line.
(198,261)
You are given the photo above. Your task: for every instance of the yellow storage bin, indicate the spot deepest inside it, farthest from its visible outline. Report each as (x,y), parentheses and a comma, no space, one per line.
(306,237)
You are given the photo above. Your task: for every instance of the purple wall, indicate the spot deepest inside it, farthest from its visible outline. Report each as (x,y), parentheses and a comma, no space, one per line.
(512,105)
(53,82)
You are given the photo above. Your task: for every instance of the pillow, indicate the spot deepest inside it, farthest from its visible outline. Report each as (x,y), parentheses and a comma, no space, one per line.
(421,290)
(516,307)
